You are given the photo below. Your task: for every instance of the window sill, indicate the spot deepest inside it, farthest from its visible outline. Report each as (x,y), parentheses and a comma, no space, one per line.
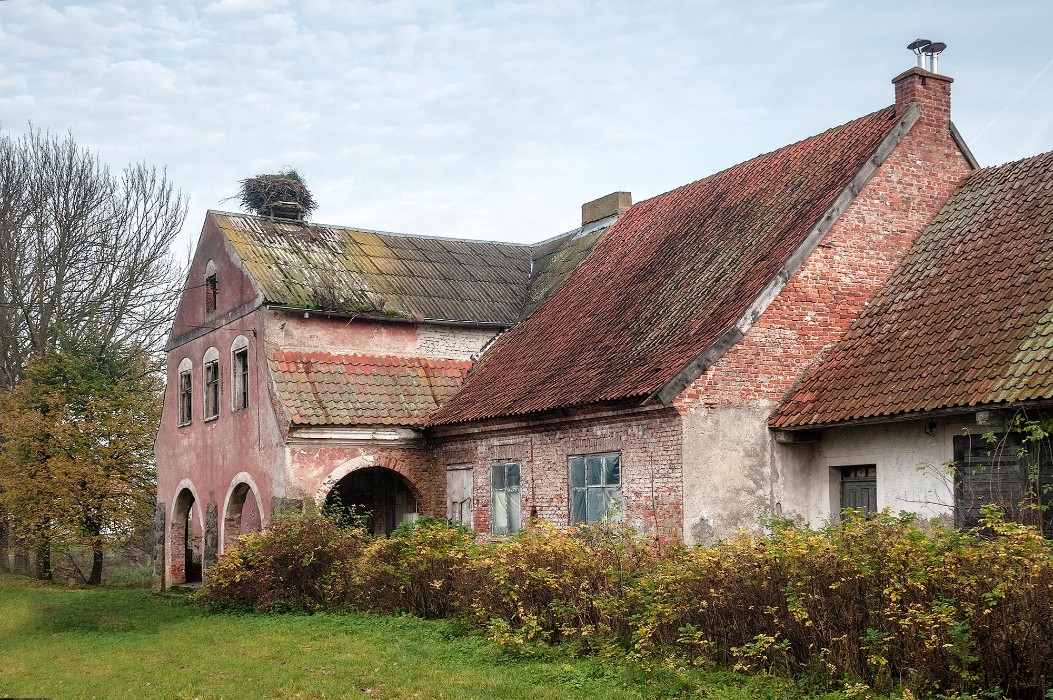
(210,418)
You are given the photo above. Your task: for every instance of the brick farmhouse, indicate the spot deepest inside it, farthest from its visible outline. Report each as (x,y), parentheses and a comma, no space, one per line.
(826,325)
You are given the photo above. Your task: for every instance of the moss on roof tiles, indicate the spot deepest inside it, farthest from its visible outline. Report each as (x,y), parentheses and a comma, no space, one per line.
(966,319)
(343,269)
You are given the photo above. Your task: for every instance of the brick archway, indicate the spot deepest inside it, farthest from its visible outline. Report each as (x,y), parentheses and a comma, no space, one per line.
(378,496)
(242,510)
(185,536)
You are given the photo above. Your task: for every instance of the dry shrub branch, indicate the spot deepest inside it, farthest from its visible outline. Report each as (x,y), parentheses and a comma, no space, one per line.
(886,601)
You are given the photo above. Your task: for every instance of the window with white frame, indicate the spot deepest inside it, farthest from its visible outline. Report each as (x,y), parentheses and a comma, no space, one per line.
(239,373)
(211,367)
(595,487)
(505,498)
(186,391)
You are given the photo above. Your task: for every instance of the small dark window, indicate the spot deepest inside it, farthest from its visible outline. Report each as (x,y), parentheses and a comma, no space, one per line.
(595,487)
(505,506)
(241,379)
(186,394)
(210,293)
(211,389)
(859,487)
(1007,471)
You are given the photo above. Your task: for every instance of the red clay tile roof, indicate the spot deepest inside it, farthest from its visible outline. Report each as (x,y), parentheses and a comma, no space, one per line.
(966,321)
(319,388)
(672,275)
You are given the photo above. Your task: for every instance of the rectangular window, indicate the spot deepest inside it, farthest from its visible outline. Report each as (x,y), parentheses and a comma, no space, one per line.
(211,289)
(1008,472)
(459,494)
(505,516)
(595,488)
(211,389)
(186,394)
(241,379)
(859,487)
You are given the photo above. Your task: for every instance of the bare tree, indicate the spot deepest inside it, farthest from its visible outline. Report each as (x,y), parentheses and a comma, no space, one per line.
(83,253)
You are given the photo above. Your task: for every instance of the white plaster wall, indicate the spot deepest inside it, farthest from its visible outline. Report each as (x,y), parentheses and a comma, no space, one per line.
(912,472)
(728,479)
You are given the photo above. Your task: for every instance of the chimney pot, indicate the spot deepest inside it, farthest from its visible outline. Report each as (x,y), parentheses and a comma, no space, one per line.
(608,205)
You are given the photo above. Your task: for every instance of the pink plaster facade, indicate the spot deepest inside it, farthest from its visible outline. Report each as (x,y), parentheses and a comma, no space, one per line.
(231,473)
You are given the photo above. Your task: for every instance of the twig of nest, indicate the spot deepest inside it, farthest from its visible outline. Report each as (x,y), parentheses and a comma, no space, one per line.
(283,194)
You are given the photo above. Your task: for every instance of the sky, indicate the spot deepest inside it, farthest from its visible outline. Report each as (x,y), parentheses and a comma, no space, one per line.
(496,120)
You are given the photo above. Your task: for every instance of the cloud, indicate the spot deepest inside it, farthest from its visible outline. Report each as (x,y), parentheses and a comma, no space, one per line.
(490,119)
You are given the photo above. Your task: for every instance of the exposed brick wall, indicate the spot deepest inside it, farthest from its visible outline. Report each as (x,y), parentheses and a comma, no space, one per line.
(310,466)
(452,342)
(855,258)
(650,444)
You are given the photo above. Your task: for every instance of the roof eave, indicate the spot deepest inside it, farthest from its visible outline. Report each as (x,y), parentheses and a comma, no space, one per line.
(726,340)
(907,417)
(277,306)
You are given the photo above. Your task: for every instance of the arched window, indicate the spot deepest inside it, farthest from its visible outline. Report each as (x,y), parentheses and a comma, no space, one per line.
(239,373)
(211,382)
(211,288)
(186,391)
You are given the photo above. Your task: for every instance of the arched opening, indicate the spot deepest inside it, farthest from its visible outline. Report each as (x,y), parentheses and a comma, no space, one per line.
(379,498)
(186,538)
(242,515)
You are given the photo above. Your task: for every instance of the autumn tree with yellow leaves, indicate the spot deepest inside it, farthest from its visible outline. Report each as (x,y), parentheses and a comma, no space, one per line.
(76,451)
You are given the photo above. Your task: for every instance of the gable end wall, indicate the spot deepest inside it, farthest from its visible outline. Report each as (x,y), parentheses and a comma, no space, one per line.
(732,476)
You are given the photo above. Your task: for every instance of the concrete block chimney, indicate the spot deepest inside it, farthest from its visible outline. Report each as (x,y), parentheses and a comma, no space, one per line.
(608,205)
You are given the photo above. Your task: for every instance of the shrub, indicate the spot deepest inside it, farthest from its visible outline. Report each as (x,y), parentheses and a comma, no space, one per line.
(412,572)
(286,568)
(884,600)
(557,585)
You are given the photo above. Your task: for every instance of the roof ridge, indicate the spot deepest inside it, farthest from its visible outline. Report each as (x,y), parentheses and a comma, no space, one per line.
(358,229)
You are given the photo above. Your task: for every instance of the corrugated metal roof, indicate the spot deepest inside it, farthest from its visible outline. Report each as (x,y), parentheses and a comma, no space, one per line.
(967,320)
(318,388)
(666,280)
(343,269)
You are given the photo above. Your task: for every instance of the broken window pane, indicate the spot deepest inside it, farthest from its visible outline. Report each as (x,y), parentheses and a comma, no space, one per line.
(211,389)
(592,468)
(241,379)
(577,472)
(577,506)
(505,502)
(186,394)
(611,470)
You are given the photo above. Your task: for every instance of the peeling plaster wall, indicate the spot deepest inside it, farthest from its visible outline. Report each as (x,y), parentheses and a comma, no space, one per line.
(911,466)
(727,479)
(291,330)
(314,466)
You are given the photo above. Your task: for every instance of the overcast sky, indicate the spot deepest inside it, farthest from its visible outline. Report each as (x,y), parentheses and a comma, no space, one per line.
(497,120)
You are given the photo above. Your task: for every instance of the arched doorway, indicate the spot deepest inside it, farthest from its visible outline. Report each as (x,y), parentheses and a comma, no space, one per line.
(185,538)
(242,514)
(379,498)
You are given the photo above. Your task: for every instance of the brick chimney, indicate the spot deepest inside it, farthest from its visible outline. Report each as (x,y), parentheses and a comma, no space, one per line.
(931,91)
(608,205)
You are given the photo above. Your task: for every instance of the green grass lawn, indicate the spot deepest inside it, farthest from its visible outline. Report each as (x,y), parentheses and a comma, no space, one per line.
(110,643)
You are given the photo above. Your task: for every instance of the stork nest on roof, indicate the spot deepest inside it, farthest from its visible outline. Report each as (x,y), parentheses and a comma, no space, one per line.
(274,194)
